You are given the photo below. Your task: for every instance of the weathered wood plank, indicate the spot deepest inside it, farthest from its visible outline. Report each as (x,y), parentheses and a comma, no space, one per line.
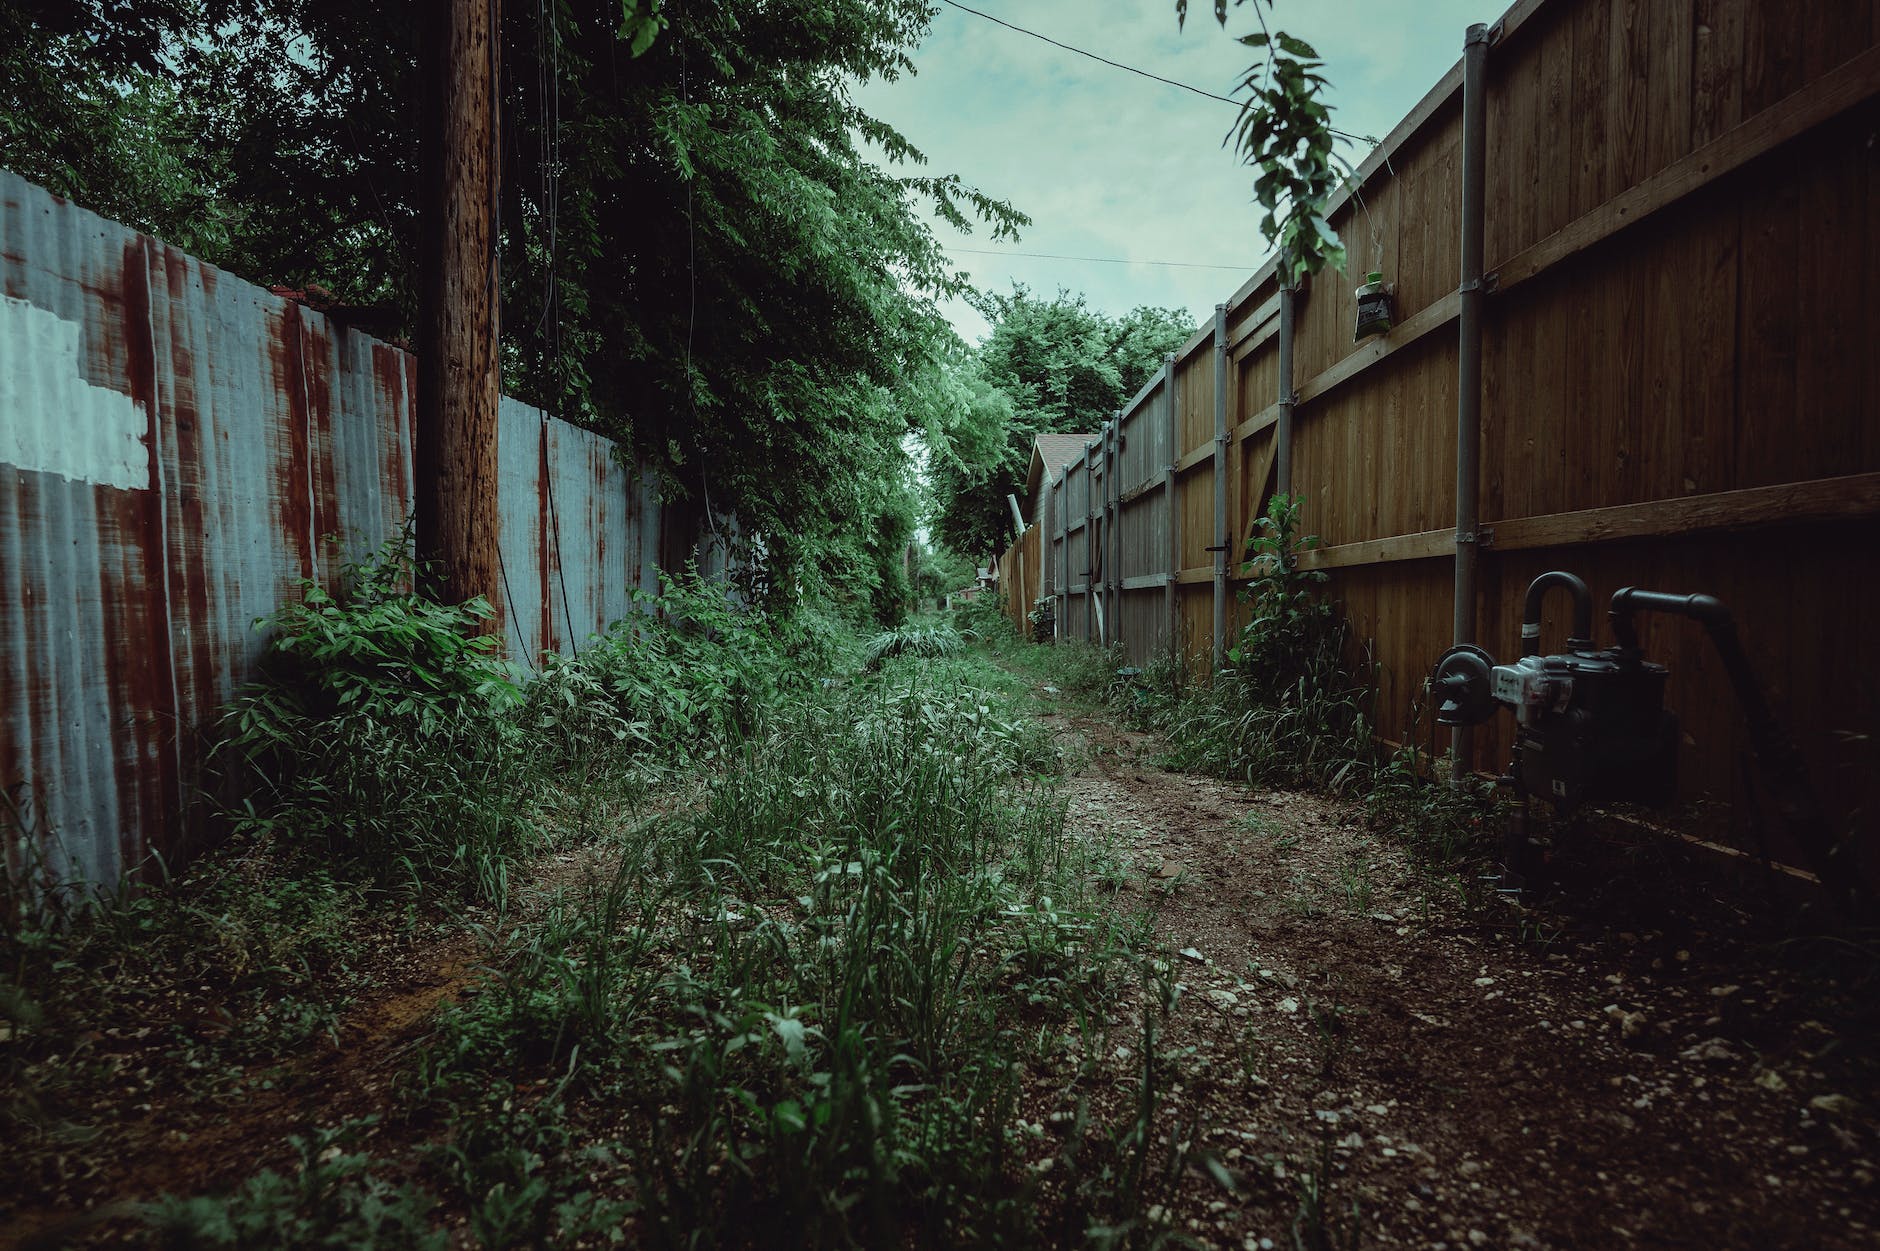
(1200,456)
(1265,419)
(1421,546)
(1401,336)
(1716,69)
(1831,95)
(1855,497)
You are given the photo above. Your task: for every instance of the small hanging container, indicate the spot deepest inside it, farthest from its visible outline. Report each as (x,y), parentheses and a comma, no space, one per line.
(1373,306)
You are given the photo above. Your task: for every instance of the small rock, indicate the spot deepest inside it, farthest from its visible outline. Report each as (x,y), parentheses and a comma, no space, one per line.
(1288,1004)
(1223,998)
(1189,953)
(1631,1024)
(1769,1079)
(1723,992)
(1711,1049)
(1833,1105)
(1168,870)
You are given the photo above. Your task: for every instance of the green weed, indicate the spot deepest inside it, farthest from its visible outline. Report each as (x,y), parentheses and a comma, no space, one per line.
(333,1200)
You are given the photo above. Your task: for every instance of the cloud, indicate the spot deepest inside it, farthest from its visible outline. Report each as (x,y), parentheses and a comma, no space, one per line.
(1113,165)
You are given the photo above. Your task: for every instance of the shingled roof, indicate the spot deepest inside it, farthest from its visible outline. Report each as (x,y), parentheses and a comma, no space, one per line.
(1049,454)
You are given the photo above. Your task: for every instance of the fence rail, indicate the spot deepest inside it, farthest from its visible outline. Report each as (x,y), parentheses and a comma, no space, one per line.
(1678,386)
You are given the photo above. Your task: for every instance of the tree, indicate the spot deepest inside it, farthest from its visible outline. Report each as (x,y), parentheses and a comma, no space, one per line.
(1059,367)
(697,259)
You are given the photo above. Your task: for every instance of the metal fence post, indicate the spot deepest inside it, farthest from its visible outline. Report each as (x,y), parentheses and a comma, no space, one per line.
(1283,430)
(1469,349)
(1220,488)
(1090,539)
(1113,527)
(1171,429)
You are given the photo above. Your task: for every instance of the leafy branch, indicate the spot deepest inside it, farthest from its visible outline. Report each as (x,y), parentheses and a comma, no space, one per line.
(1284,131)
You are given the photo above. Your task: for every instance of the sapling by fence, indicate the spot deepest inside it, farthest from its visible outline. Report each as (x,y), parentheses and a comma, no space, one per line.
(1292,710)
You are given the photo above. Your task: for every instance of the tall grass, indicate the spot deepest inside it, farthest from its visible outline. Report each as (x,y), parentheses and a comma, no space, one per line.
(807,1006)
(793,1003)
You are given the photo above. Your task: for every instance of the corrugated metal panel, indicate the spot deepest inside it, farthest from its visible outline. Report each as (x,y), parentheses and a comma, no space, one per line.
(176,448)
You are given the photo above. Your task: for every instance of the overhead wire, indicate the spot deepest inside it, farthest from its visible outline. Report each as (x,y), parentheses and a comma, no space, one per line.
(1097,260)
(1357,190)
(1131,69)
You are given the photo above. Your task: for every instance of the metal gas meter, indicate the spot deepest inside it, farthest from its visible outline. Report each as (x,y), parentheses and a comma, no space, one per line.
(1591,725)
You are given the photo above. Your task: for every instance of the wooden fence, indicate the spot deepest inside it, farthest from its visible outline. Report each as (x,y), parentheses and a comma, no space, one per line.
(1679,385)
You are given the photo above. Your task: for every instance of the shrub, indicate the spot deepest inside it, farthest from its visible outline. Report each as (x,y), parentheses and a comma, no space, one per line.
(1291,711)
(691,675)
(379,731)
(926,641)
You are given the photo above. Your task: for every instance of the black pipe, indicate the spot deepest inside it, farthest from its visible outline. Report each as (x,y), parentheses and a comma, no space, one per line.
(1783,765)
(1582,636)
(1706,610)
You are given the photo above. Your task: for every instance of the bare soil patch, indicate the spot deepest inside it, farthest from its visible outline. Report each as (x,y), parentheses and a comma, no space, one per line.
(1625,1065)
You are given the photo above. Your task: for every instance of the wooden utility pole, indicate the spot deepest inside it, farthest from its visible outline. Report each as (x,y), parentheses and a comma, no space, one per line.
(459,383)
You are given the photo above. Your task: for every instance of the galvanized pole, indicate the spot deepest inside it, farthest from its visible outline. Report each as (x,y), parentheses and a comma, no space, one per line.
(1063,491)
(1113,527)
(1090,539)
(1220,488)
(1469,349)
(1283,430)
(1172,414)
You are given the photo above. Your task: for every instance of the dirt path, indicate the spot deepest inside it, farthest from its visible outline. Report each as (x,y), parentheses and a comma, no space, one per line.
(1476,1078)
(182,1142)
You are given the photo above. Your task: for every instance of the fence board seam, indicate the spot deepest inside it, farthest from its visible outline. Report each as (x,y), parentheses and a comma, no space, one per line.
(1426,321)
(1853,83)
(1855,497)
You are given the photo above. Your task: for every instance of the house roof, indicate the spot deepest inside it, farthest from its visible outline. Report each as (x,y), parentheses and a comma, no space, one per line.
(1049,454)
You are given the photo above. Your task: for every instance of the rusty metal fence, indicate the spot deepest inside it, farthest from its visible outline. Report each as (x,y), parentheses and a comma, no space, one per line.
(175,447)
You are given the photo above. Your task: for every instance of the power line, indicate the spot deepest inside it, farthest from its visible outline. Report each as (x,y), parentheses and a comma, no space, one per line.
(1370,139)
(1097,260)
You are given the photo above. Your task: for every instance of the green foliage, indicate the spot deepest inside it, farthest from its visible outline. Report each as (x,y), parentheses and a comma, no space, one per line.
(983,620)
(379,730)
(699,256)
(1293,629)
(245,956)
(940,571)
(1060,366)
(1291,712)
(1409,797)
(920,640)
(837,963)
(333,1201)
(688,677)
(1284,131)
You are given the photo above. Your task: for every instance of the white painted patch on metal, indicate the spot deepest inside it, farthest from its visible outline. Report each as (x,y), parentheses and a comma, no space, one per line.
(54,421)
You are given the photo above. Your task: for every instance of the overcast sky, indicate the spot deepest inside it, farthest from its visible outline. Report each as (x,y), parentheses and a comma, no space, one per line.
(1108,164)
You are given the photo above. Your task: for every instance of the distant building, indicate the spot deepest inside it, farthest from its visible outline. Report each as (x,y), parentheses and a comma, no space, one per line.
(1049,454)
